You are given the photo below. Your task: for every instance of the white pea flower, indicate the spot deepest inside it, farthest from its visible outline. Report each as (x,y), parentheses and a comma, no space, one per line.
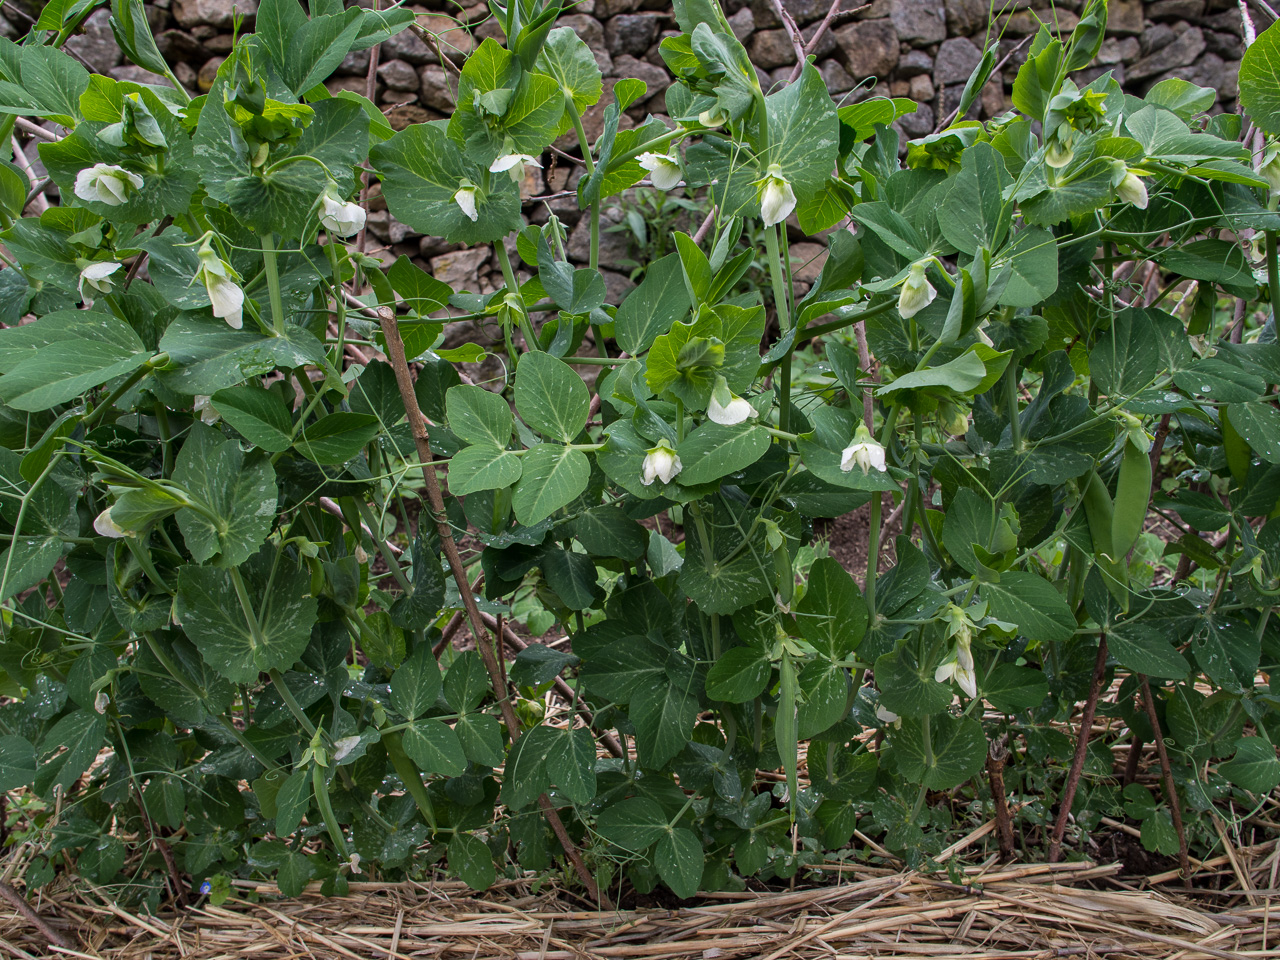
(777,199)
(885,715)
(465,198)
(1132,190)
(964,677)
(353,863)
(107,527)
(660,463)
(220,283)
(863,453)
(1270,169)
(97,277)
(512,164)
(917,292)
(725,408)
(664,169)
(204,406)
(342,218)
(343,747)
(101,701)
(106,183)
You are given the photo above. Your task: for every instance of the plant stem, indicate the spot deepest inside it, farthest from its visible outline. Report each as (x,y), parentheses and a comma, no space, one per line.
(777,277)
(996,755)
(101,409)
(273,282)
(1273,271)
(484,641)
(873,535)
(1170,791)
(1082,749)
(509,276)
(1011,401)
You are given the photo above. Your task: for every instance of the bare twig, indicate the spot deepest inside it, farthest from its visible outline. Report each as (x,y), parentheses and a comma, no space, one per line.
(510,636)
(35,130)
(20,904)
(1082,748)
(1170,791)
(38,200)
(812,45)
(793,31)
(705,228)
(996,755)
(484,642)
(370,89)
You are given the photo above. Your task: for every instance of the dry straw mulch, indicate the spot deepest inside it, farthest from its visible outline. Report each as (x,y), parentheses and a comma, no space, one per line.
(1039,911)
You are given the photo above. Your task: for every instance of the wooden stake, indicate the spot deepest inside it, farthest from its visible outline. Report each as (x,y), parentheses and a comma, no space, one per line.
(1170,791)
(1082,747)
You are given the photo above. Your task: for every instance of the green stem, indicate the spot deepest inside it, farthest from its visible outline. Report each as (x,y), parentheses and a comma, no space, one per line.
(777,277)
(1273,272)
(291,702)
(320,786)
(509,277)
(100,411)
(873,535)
(273,283)
(409,776)
(1011,401)
(392,563)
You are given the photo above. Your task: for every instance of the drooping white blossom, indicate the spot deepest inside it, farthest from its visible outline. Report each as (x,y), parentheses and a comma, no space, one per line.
(777,199)
(664,169)
(96,277)
(864,452)
(917,292)
(660,463)
(513,164)
(465,198)
(342,218)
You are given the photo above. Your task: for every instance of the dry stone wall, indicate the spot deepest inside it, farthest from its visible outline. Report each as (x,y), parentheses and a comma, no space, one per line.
(922,49)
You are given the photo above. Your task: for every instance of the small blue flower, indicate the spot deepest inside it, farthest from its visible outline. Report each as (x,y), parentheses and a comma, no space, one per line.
(206,887)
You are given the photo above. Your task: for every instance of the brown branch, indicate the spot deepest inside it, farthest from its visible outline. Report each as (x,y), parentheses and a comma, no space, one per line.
(370,89)
(20,904)
(1132,761)
(1170,791)
(793,31)
(484,642)
(996,755)
(1082,748)
(706,226)
(562,688)
(812,45)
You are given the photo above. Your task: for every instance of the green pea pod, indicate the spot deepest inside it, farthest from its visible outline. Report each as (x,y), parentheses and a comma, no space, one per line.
(1133,495)
(786,577)
(1099,511)
(1235,447)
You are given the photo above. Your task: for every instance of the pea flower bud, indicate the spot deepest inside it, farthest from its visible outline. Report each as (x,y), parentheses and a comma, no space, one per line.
(1058,154)
(713,118)
(340,217)
(725,408)
(97,277)
(1132,190)
(106,183)
(106,527)
(219,281)
(465,198)
(777,199)
(664,169)
(863,453)
(660,463)
(917,292)
(513,164)
(101,702)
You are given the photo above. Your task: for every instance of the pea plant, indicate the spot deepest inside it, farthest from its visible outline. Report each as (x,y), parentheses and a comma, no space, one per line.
(249,500)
